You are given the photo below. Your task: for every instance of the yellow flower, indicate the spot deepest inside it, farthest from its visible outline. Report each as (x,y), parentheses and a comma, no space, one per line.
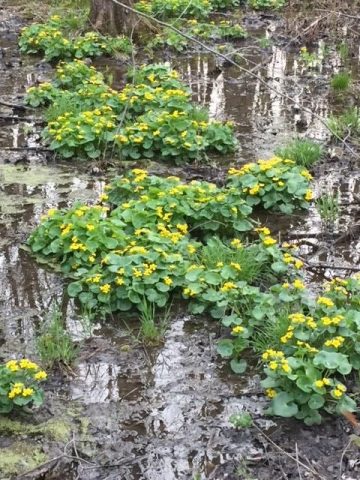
(236,243)
(182,227)
(325,301)
(28,365)
(286,285)
(285,366)
(90,227)
(273,365)
(319,383)
(191,249)
(309,195)
(103,197)
(27,392)
(271,354)
(297,318)
(335,342)
(119,281)
(298,264)
(12,365)
(270,393)
(227,287)
(268,241)
(91,258)
(136,273)
(51,212)
(254,190)
(305,173)
(298,284)
(236,330)
(40,375)
(337,393)
(189,292)
(105,288)
(236,266)
(168,281)
(288,335)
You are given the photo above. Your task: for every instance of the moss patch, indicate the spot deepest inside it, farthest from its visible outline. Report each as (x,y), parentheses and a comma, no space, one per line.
(19,458)
(58,430)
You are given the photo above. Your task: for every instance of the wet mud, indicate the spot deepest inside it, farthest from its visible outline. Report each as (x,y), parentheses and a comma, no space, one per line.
(125,411)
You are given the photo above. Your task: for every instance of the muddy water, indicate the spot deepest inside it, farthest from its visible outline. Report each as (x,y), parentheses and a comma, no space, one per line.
(162,414)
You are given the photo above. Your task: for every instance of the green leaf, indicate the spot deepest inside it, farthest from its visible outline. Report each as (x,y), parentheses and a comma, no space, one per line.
(212,278)
(74,289)
(316,401)
(279,267)
(225,348)
(242,225)
(304,383)
(332,361)
(283,405)
(314,419)
(238,366)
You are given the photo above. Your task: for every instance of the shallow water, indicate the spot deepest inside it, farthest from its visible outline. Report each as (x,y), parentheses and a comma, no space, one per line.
(162,414)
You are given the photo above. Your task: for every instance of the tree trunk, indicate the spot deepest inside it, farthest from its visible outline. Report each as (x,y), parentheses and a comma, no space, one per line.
(109,18)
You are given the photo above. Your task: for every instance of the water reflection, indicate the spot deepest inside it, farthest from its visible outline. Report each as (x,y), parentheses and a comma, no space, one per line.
(28,193)
(96,383)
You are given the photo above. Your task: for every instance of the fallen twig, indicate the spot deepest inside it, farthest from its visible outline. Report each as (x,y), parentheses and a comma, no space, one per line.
(299,462)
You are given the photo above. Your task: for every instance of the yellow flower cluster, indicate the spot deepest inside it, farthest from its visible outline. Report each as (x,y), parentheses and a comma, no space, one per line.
(237,330)
(325,301)
(99,120)
(332,321)
(299,318)
(309,195)
(228,286)
(335,342)
(236,266)
(268,241)
(324,382)
(236,243)
(271,354)
(288,335)
(106,288)
(298,284)
(307,347)
(20,389)
(270,393)
(189,292)
(277,360)
(339,390)
(289,259)
(25,364)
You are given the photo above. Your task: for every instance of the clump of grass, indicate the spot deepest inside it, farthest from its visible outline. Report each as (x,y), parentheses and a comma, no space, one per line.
(241,420)
(152,325)
(254,268)
(343,50)
(346,124)
(55,345)
(341,81)
(302,151)
(328,207)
